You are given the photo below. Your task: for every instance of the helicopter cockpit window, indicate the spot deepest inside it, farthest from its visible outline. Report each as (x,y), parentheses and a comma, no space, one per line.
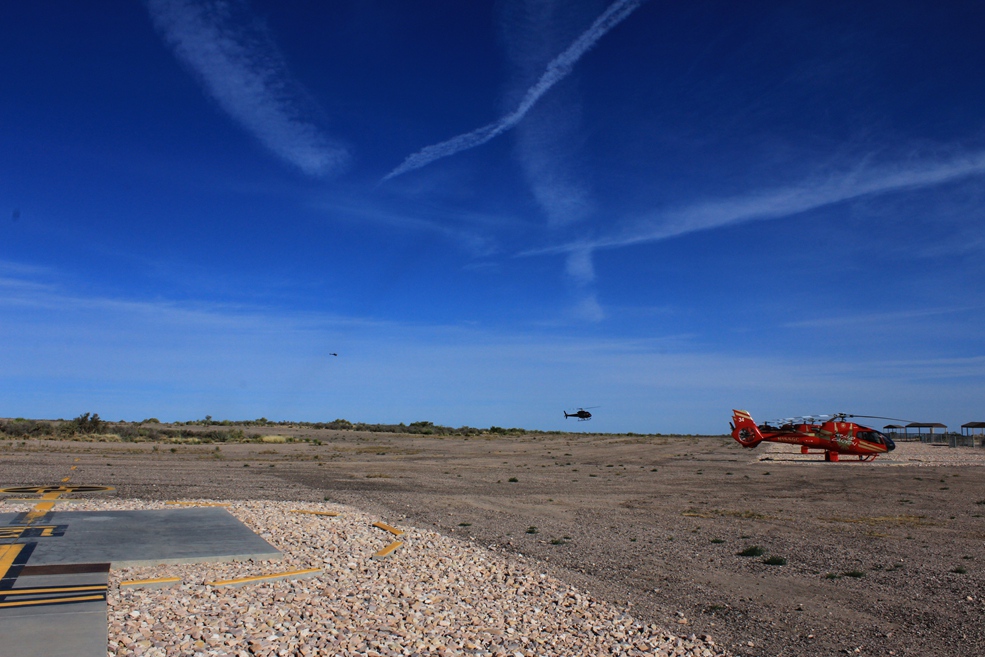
(872,437)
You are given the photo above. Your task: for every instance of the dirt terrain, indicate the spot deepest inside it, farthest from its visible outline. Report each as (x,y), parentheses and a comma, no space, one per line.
(875,558)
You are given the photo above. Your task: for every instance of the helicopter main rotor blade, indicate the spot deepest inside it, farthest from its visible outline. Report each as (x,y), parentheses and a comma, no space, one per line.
(875,417)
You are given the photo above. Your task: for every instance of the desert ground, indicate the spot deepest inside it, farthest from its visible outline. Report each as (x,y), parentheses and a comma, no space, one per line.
(882,558)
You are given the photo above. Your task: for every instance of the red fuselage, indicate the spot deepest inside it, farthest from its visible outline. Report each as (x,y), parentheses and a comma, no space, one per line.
(831,436)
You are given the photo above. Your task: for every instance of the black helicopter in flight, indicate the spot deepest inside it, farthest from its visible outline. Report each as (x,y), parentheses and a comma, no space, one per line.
(581,414)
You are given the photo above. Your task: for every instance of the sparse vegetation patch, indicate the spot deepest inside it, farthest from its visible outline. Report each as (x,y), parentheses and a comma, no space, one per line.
(877,520)
(752,551)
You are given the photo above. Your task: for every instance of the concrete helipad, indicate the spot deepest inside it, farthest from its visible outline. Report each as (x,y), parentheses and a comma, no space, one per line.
(141,538)
(54,566)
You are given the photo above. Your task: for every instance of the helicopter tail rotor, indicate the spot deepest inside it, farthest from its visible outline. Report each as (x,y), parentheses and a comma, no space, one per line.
(744,429)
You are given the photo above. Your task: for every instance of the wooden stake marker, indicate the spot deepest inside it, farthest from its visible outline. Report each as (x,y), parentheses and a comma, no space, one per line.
(388,550)
(273,577)
(159,583)
(198,503)
(386,527)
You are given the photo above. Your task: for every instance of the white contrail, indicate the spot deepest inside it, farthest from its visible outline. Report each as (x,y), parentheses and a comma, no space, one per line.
(557,70)
(242,70)
(783,202)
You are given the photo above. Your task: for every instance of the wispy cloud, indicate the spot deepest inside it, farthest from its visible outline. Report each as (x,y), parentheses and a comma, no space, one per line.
(589,309)
(472,229)
(557,70)
(581,272)
(877,319)
(548,140)
(240,67)
(782,202)
(579,266)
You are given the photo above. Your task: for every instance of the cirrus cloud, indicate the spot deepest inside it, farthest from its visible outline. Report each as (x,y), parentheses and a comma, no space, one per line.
(240,67)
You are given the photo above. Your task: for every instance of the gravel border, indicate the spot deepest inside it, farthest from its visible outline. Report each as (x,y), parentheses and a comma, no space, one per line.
(434,596)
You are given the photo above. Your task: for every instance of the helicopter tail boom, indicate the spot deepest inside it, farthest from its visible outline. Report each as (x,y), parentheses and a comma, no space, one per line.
(744,429)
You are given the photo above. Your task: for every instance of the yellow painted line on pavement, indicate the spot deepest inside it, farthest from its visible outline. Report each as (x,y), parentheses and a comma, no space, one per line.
(41,509)
(30,500)
(8,553)
(52,601)
(260,578)
(386,527)
(331,514)
(65,479)
(54,589)
(388,550)
(74,466)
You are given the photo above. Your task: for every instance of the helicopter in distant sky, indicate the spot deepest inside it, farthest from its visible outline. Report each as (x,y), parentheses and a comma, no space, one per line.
(582,414)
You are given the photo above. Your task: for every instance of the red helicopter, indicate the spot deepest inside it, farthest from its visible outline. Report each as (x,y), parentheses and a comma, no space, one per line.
(831,433)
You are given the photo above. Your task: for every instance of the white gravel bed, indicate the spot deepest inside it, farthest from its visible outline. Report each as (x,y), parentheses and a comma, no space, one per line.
(434,596)
(908,453)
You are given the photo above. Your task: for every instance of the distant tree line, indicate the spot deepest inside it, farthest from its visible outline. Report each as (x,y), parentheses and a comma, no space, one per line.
(220,431)
(84,424)
(423,427)
(90,424)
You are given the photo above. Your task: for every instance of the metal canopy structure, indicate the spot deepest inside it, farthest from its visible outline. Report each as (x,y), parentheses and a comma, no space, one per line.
(971,431)
(926,437)
(893,430)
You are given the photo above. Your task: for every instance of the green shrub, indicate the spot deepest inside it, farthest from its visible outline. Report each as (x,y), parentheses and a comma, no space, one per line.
(220,436)
(84,424)
(752,551)
(20,427)
(775,561)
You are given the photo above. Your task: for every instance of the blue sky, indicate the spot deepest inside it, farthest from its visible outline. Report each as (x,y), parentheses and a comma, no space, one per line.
(492,211)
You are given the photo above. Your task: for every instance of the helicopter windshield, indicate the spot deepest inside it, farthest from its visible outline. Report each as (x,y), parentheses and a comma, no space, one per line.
(876,437)
(871,436)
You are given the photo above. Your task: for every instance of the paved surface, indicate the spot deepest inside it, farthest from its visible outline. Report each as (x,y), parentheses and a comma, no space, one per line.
(146,538)
(54,567)
(72,629)
(655,521)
